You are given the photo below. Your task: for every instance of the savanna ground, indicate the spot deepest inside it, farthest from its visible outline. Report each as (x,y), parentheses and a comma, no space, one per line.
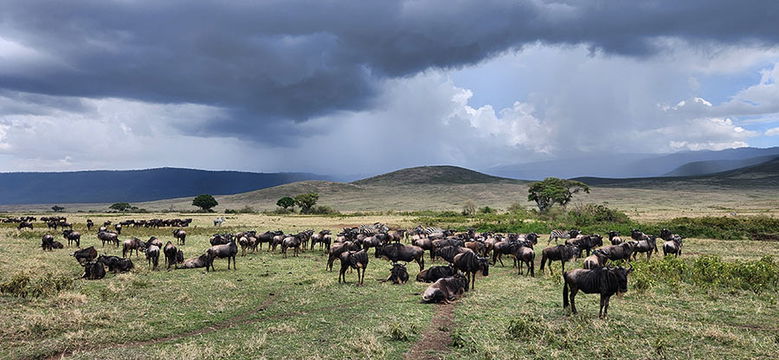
(274,307)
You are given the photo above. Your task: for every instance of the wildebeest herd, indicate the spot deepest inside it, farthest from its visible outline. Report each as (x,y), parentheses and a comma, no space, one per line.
(466,254)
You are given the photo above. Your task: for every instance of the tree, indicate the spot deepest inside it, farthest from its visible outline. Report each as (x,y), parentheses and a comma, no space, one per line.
(306,202)
(554,191)
(58,208)
(469,208)
(285,202)
(121,206)
(205,202)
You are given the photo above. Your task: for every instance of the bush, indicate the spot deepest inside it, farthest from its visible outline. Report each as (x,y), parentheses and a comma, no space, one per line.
(244,210)
(469,208)
(589,214)
(487,210)
(524,328)
(27,285)
(322,210)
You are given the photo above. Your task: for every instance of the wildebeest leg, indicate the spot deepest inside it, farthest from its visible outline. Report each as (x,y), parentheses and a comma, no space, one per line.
(234,266)
(574,290)
(604,306)
(531,264)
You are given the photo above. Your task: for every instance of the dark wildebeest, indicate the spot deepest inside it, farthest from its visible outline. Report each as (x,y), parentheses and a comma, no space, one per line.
(108,237)
(618,252)
(154,241)
(446,289)
(470,264)
(132,244)
(647,245)
(267,237)
(220,239)
(477,246)
(398,252)
(356,260)
(323,238)
(524,254)
(90,224)
(586,242)
(48,243)
(153,256)
(93,270)
(449,252)
(425,244)
(436,272)
(337,250)
(597,259)
(85,255)
(614,238)
(637,235)
(72,237)
(198,262)
(115,263)
(24,224)
(223,251)
(171,253)
(106,223)
(563,253)
(118,228)
(398,274)
(605,281)
(294,242)
(181,236)
(673,246)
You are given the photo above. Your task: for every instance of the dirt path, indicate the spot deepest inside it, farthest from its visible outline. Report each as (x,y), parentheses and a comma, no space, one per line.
(435,341)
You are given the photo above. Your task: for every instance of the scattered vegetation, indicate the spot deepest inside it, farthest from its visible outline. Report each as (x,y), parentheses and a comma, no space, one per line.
(25,284)
(244,210)
(306,202)
(205,202)
(285,202)
(554,191)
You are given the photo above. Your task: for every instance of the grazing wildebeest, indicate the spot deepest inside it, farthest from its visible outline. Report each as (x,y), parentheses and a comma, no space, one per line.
(108,237)
(90,224)
(597,259)
(153,256)
(24,224)
(470,264)
(180,235)
(218,221)
(293,242)
(198,262)
(93,270)
(446,289)
(132,244)
(586,242)
(153,240)
(170,252)
(356,260)
(563,253)
(72,237)
(673,246)
(48,243)
(398,274)
(85,255)
(614,238)
(605,281)
(229,251)
(115,263)
(436,272)
(398,252)
(524,254)
(337,250)
(618,252)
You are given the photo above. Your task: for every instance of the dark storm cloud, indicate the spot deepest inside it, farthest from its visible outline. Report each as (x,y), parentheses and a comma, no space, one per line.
(270,62)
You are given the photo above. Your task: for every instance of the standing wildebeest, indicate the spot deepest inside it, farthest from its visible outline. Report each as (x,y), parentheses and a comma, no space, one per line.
(398,252)
(153,256)
(24,224)
(72,237)
(193,263)
(398,274)
(171,255)
(85,255)
(673,246)
(477,246)
(223,251)
(48,243)
(425,244)
(292,241)
(637,235)
(605,281)
(470,264)
(118,228)
(614,238)
(449,252)
(586,242)
(90,224)
(563,253)
(115,263)
(647,245)
(323,238)
(132,244)
(597,259)
(108,237)
(436,272)
(337,250)
(446,289)
(618,252)
(180,235)
(524,254)
(93,270)
(220,239)
(356,260)
(153,240)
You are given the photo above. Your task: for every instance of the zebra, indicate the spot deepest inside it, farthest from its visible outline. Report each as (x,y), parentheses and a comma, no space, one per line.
(562,234)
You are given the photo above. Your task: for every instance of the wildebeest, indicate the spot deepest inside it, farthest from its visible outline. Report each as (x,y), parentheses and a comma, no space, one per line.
(118,228)
(597,259)
(524,254)
(220,239)
(85,255)
(72,237)
(48,243)
(153,240)
(586,242)
(398,274)
(337,250)
(198,262)
(436,272)
(153,256)
(293,242)
(637,235)
(673,246)
(356,260)
(398,252)
(115,263)
(618,252)
(323,238)
(563,253)
(132,244)
(470,264)
(108,237)
(171,255)
(446,289)
(24,224)
(90,224)
(605,281)
(424,244)
(449,252)
(267,237)
(478,247)
(647,245)
(228,251)
(93,270)
(614,238)
(180,235)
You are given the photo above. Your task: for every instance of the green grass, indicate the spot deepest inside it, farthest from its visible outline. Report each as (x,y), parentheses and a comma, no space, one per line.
(311,316)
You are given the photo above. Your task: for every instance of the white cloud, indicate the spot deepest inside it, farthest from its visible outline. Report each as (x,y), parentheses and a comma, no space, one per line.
(772,132)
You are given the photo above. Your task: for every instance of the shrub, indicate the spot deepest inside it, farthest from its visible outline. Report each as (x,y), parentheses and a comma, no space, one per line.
(469,208)
(589,214)
(487,210)
(322,210)
(524,328)
(25,284)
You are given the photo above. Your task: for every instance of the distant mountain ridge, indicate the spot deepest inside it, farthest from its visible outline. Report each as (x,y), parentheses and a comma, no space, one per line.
(440,174)
(106,186)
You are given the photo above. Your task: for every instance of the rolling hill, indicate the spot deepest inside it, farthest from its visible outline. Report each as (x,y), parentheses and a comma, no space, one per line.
(434,175)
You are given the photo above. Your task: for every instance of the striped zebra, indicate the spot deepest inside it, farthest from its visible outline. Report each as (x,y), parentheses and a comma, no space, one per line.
(562,234)
(373,229)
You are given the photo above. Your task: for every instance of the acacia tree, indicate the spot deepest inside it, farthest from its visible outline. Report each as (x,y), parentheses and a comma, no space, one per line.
(554,191)
(306,202)
(120,206)
(58,208)
(205,201)
(285,202)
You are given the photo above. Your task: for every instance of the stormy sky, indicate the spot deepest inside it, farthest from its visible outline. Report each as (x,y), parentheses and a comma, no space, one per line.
(368,86)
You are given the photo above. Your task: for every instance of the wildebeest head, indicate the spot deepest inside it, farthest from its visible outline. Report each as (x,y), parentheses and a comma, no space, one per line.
(574,233)
(532,237)
(484,266)
(612,234)
(596,240)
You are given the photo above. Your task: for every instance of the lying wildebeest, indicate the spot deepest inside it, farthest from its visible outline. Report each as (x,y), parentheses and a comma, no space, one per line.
(673,246)
(72,237)
(524,254)
(223,251)
(586,242)
(618,252)
(132,244)
(93,270)
(24,224)
(48,243)
(337,250)
(563,253)
(85,255)
(181,236)
(436,272)
(605,281)
(449,252)
(172,255)
(597,259)
(90,224)
(398,252)
(470,264)
(614,238)
(153,256)
(294,242)
(198,262)
(446,289)
(398,274)
(115,263)
(108,237)
(356,260)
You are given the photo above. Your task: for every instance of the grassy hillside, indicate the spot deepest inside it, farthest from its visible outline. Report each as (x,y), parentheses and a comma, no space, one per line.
(434,175)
